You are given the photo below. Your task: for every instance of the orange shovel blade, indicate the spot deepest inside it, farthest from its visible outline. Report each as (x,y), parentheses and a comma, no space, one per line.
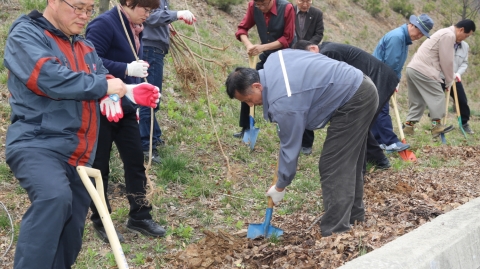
(407,155)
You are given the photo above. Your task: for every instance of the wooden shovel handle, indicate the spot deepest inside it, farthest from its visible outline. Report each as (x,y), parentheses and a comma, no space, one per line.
(447,96)
(397,115)
(274,181)
(252,62)
(98,199)
(457,106)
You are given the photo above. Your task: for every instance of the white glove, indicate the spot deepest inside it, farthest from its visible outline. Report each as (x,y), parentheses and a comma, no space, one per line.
(137,69)
(111,109)
(144,94)
(458,77)
(276,196)
(186,16)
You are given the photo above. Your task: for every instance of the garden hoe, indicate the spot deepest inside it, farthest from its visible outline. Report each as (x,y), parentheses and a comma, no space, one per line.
(442,135)
(99,201)
(406,155)
(265,229)
(457,108)
(250,135)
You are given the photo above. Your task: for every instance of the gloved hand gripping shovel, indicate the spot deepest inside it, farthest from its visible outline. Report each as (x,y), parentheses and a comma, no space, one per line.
(457,108)
(99,201)
(406,155)
(265,229)
(250,135)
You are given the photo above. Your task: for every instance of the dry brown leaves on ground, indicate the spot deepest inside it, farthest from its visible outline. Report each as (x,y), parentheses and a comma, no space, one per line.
(396,203)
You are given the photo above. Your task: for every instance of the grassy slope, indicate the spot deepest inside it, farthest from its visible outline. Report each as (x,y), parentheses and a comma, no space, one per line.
(196,187)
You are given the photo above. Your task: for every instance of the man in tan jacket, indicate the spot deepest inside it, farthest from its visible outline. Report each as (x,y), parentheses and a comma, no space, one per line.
(435,56)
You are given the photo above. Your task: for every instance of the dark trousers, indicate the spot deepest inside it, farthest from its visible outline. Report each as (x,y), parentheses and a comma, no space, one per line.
(52,228)
(382,129)
(462,101)
(126,136)
(244,108)
(155,58)
(374,153)
(342,160)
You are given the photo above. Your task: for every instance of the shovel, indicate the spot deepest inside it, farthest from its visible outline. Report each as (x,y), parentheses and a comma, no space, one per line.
(250,135)
(99,201)
(265,229)
(406,155)
(442,135)
(457,108)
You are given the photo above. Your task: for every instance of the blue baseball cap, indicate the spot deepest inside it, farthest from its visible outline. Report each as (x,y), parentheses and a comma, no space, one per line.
(423,22)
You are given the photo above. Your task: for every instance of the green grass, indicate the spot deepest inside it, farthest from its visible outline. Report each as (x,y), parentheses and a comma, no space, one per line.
(33,4)
(5,173)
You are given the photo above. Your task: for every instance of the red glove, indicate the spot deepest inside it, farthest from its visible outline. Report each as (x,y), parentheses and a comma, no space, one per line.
(458,77)
(111,109)
(144,94)
(186,16)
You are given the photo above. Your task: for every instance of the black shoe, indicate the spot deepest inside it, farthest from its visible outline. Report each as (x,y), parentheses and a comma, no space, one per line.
(147,227)
(466,128)
(382,164)
(102,234)
(239,134)
(306,150)
(160,143)
(155,158)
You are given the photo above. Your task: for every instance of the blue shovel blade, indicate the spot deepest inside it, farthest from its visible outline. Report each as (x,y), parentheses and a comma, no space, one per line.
(264,229)
(250,136)
(444,141)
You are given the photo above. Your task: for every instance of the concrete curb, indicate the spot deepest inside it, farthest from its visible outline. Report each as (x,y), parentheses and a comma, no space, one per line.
(450,241)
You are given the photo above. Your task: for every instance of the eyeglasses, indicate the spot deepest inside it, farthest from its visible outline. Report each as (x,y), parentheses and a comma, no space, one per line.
(80,11)
(147,11)
(304,1)
(262,4)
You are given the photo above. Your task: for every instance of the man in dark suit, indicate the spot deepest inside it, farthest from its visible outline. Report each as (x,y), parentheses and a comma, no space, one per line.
(381,74)
(308,22)
(308,26)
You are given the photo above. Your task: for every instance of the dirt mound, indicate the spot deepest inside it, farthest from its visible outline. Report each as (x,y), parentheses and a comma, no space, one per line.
(395,203)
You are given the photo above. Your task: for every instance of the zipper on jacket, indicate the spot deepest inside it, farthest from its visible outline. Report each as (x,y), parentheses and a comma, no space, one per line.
(72,41)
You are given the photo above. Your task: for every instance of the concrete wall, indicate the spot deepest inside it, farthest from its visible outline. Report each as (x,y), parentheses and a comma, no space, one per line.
(450,241)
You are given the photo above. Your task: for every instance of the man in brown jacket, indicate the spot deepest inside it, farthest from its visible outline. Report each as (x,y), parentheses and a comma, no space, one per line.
(435,56)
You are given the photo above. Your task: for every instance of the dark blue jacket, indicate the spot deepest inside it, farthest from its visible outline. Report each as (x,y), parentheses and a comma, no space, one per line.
(55,83)
(108,36)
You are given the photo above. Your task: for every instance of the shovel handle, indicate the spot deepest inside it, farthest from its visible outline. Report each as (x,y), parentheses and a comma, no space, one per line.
(457,106)
(397,115)
(447,96)
(98,199)
(252,62)
(274,181)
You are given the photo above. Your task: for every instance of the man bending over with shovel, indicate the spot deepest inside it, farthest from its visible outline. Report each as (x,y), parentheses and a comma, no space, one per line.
(301,91)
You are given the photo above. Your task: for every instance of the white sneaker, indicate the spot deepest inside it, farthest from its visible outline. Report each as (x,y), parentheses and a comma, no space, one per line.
(399,146)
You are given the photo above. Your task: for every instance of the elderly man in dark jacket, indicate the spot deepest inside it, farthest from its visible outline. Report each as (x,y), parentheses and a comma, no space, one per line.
(381,74)
(301,90)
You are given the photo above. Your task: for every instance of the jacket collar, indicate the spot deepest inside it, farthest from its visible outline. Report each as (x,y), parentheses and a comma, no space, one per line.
(42,22)
(408,40)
